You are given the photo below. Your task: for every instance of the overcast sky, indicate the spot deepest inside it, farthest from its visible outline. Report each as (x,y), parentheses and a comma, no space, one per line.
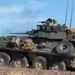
(23,15)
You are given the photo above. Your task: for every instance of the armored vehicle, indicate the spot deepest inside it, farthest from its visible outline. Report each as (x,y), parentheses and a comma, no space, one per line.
(50,46)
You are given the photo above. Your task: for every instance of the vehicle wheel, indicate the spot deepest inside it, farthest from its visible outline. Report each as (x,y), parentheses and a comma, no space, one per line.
(19,62)
(4,59)
(39,63)
(59,66)
(64,47)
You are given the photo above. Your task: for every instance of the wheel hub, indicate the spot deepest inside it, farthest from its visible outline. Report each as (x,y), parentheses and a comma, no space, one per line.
(18,63)
(39,65)
(63,47)
(1,61)
(56,67)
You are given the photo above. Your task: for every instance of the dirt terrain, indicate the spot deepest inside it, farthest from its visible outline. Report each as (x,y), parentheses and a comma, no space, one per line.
(18,71)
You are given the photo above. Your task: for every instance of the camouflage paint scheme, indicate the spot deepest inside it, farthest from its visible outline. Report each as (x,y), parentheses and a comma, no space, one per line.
(45,39)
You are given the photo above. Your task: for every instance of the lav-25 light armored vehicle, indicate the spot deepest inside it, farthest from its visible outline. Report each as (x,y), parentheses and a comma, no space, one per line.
(47,47)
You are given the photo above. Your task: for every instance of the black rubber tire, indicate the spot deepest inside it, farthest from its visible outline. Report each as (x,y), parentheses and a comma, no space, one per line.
(23,61)
(6,59)
(61,66)
(42,60)
(64,47)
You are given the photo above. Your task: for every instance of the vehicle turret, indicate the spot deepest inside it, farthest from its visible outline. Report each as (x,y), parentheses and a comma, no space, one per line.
(48,29)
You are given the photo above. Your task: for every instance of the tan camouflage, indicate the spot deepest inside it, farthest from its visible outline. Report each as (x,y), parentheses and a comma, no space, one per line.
(28,45)
(72,30)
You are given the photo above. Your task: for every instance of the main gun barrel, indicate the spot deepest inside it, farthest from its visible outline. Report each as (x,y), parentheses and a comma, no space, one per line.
(18,33)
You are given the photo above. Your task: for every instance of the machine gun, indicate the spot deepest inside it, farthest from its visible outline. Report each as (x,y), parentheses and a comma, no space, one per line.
(47,22)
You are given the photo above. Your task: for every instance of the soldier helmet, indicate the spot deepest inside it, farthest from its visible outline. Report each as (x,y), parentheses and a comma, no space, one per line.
(54,21)
(49,19)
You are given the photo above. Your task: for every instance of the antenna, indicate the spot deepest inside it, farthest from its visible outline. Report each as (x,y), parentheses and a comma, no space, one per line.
(71,13)
(66,12)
